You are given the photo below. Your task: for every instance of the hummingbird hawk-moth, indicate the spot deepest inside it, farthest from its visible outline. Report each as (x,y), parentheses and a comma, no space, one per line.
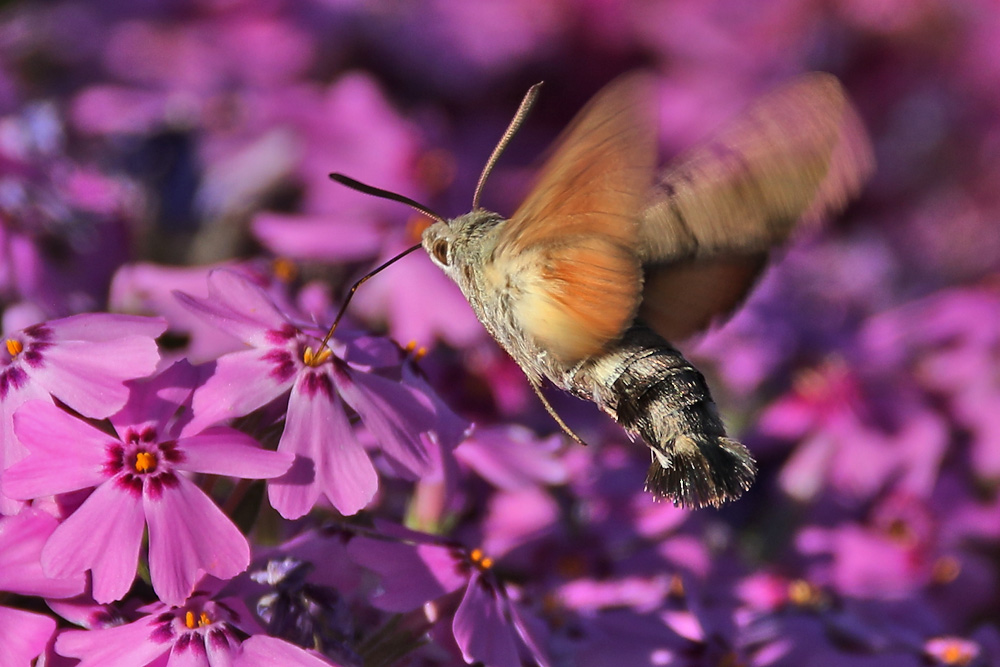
(601,266)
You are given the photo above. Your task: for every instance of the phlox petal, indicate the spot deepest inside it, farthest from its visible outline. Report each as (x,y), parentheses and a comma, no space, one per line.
(241,382)
(512,458)
(11,450)
(21,540)
(211,650)
(393,415)
(318,431)
(482,629)
(237,306)
(155,401)
(190,536)
(102,535)
(93,355)
(103,327)
(124,645)
(317,237)
(264,651)
(225,451)
(66,454)
(411,574)
(23,635)
(89,377)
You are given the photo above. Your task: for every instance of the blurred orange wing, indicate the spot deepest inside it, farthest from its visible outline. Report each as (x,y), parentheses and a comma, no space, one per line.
(568,256)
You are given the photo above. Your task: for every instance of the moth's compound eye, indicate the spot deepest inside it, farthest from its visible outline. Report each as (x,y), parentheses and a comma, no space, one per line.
(440,251)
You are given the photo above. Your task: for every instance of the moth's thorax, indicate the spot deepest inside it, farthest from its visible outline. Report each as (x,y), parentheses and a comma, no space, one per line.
(464,249)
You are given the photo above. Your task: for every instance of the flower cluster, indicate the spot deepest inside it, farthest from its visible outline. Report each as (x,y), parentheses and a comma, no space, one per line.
(195,469)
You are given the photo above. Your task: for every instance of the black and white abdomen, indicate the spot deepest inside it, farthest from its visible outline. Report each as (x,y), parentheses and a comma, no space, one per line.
(654,392)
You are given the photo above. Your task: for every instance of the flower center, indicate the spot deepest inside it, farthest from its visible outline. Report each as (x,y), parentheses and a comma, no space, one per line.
(284,269)
(14,347)
(145,462)
(313,358)
(143,465)
(417,352)
(481,560)
(952,650)
(804,594)
(946,570)
(199,621)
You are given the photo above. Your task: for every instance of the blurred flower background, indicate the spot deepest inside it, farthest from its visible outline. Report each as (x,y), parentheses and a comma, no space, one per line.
(144,143)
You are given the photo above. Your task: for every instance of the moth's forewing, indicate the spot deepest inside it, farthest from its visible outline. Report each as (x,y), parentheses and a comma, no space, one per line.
(569,253)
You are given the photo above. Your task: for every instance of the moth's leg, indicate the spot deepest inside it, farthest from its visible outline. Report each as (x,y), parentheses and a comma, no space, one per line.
(548,408)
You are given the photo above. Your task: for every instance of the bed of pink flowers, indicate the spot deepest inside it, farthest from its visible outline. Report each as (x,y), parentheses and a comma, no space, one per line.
(190,478)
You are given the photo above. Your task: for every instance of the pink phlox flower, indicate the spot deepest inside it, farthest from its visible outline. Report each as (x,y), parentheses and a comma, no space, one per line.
(83,361)
(284,358)
(852,443)
(141,478)
(416,568)
(942,343)
(149,288)
(204,630)
(906,545)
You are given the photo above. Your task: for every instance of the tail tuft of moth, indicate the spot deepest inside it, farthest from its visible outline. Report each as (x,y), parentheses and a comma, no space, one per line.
(697,470)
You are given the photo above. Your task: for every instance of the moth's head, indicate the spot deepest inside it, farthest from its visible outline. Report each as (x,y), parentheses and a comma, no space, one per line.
(438,240)
(461,240)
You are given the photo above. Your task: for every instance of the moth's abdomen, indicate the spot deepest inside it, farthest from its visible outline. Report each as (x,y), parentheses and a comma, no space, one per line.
(652,390)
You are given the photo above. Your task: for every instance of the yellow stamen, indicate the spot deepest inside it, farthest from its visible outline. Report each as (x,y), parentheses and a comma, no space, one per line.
(311,358)
(804,594)
(730,660)
(202,620)
(417,352)
(954,653)
(14,347)
(900,531)
(946,570)
(481,559)
(145,462)
(284,269)
(676,587)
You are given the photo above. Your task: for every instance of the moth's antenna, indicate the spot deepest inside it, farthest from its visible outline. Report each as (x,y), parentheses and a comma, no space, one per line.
(515,124)
(354,288)
(384,194)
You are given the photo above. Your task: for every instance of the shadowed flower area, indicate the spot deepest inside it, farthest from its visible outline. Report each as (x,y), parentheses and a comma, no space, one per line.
(193,473)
